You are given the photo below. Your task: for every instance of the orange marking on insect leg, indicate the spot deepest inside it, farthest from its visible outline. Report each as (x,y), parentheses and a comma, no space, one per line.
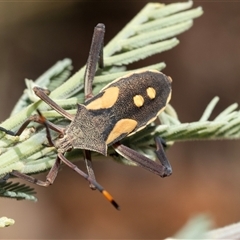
(110,199)
(107,195)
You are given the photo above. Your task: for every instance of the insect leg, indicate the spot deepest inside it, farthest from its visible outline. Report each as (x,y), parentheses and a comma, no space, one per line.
(41,93)
(93,182)
(4,178)
(49,178)
(95,56)
(88,162)
(160,143)
(54,170)
(34,118)
(48,125)
(164,169)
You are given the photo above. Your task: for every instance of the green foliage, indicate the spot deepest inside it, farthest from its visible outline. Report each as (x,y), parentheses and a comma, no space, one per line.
(51,79)
(17,191)
(152,31)
(225,126)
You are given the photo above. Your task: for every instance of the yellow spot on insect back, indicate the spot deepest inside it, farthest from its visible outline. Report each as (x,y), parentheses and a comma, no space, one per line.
(107,100)
(138,100)
(122,126)
(151,92)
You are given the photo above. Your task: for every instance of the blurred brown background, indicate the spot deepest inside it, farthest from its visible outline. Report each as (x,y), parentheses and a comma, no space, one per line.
(206,177)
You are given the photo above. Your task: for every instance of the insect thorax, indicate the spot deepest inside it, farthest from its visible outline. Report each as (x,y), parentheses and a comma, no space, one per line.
(82,133)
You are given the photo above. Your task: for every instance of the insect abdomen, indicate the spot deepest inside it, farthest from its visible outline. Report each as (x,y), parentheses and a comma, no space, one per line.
(131,102)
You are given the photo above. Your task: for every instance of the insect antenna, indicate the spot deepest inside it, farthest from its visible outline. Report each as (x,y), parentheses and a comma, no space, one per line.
(105,193)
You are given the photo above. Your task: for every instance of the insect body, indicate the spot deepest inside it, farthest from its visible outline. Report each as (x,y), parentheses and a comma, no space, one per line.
(122,108)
